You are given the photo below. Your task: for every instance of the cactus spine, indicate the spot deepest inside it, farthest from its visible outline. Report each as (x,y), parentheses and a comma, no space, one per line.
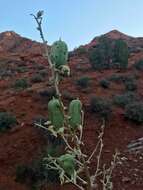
(55,114)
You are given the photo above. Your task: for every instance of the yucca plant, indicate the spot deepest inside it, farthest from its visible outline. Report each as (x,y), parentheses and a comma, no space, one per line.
(73,165)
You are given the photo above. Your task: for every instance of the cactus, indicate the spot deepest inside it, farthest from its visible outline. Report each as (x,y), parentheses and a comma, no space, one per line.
(55,114)
(67,162)
(75,113)
(59,53)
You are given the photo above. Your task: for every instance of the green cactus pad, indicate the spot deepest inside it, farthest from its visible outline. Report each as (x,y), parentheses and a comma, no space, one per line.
(75,116)
(55,114)
(67,162)
(59,53)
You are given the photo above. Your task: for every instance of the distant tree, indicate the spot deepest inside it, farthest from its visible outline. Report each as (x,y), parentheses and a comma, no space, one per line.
(121,54)
(101,56)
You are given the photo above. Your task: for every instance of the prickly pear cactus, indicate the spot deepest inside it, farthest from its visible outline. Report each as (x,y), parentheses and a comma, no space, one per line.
(67,162)
(75,116)
(55,114)
(59,53)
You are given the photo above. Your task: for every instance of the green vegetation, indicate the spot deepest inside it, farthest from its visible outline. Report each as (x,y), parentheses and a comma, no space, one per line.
(48,93)
(104,83)
(59,53)
(101,107)
(81,50)
(139,65)
(117,78)
(43,72)
(7,120)
(129,81)
(73,164)
(100,56)
(107,54)
(36,175)
(130,84)
(22,69)
(21,84)
(134,112)
(67,95)
(125,99)
(37,78)
(83,82)
(121,54)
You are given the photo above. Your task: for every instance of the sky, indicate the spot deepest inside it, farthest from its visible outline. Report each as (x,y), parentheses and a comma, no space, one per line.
(76,21)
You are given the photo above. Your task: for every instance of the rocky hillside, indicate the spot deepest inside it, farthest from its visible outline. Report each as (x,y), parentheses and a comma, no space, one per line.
(12,42)
(25,91)
(135,44)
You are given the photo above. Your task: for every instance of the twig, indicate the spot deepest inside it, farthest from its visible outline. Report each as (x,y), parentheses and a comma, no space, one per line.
(99,154)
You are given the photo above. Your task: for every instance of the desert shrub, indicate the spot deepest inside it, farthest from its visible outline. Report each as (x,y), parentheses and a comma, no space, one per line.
(101,106)
(39,66)
(134,112)
(139,65)
(83,82)
(54,141)
(48,93)
(21,84)
(81,50)
(43,72)
(125,99)
(36,175)
(104,83)
(128,80)
(67,95)
(130,84)
(36,78)
(117,78)
(7,120)
(22,69)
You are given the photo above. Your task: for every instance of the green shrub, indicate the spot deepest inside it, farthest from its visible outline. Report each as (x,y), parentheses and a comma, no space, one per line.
(21,84)
(36,78)
(134,112)
(125,99)
(36,175)
(7,120)
(128,80)
(43,72)
(101,106)
(39,67)
(130,85)
(117,78)
(22,69)
(81,50)
(67,95)
(83,82)
(104,83)
(139,65)
(48,93)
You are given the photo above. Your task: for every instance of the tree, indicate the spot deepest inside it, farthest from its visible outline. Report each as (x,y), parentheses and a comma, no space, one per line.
(121,54)
(100,56)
